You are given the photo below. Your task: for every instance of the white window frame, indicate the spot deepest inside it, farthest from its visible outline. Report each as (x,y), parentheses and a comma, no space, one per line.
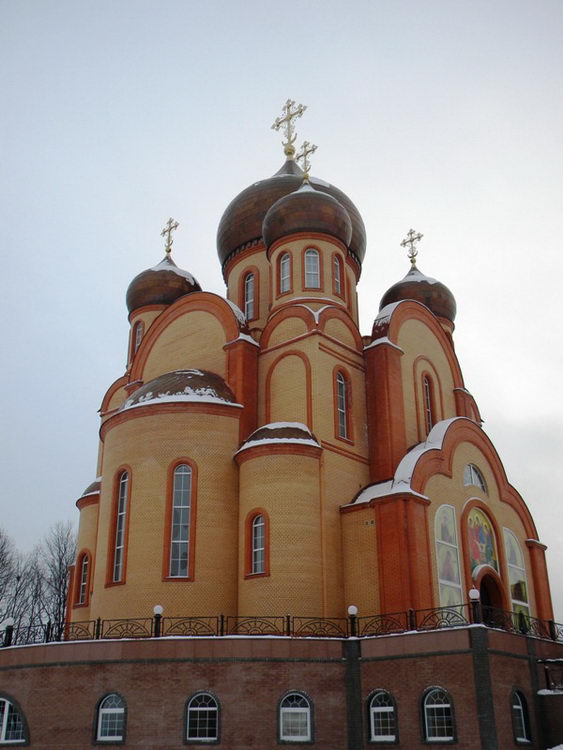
(258,550)
(249,295)
(312,269)
(519,714)
(520,570)
(342,405)
(453,547)
(428,394)
(138,335)
(213,709)
(288,711)
(83,589)
(473,477)
(180,532)
(285,273)
(337,274)
(9,708)
(427,708)
(120,527)
(387,709)
(106,712)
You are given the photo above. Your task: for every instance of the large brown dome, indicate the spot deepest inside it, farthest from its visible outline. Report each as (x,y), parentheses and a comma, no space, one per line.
(307,209)
(162,284)
(241,223)
(430,292)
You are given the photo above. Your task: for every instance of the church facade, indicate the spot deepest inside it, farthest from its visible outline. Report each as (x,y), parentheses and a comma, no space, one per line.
(263,464)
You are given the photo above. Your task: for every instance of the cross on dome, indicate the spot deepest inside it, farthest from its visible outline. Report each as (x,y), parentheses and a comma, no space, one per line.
(410,241)
(291,112)
(171,226)
(306,150)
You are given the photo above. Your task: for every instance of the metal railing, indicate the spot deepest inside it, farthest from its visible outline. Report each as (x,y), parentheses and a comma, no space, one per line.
(158,626)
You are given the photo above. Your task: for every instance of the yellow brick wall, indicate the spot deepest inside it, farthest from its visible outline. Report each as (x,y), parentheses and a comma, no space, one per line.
(149,445)
(290,496)
(235,292)
(287,391)
(338,330)
(359,547)
(286,330)
(415,338)
(441,489)
(86,540)
(195,339)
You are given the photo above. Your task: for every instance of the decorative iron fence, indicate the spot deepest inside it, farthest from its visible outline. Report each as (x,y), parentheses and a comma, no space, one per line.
(284,625)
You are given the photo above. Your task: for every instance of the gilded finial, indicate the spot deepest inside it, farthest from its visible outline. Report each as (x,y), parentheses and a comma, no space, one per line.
(303,156)
(291,112)
(170,227)
(410,241)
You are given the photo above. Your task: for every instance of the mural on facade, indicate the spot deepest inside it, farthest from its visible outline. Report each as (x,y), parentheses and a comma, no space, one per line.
(447,557)
(481,538)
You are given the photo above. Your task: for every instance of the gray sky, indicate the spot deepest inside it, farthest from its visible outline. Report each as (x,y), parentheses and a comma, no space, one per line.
(441,115)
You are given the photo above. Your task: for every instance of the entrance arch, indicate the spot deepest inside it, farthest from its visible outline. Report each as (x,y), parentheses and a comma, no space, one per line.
(490,592)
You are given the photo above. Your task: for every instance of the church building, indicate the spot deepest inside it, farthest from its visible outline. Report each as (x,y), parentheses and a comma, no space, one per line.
(297,534)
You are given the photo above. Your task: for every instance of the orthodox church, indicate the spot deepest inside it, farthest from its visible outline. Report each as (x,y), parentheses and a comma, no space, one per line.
(261,460)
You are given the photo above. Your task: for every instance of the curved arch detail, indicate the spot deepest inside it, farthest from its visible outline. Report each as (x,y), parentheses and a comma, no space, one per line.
(308,386)
(293,311)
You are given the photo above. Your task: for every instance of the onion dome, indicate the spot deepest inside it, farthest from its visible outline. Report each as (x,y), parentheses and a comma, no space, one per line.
(241,223)
(162,284)
(307,210)
(182,386)
(281,432)
(430,292)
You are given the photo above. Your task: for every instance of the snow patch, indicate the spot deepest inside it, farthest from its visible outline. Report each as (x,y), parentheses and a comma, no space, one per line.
(237,311)
(277,441)
(165,265)
(383,340)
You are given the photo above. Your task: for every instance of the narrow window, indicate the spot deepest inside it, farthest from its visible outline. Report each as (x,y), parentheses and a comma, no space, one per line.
(473,477)
(447,557)
(181,512)
(12,727)
(438,716)
(111,719)
(312,272)
(295,718)
(249,296)
(520,721)
(138,335)
(121,518)
(382,717)
(428,403)
(285,273)
(337,275)
(342,399)
(83,585)
(258,544)
(203,718)
(517,580)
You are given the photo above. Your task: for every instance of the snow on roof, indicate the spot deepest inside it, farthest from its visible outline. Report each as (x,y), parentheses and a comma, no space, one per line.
(281,432)
(384,315)
(415,275)
(182,385)
(383,340)
(237,311)
(401,482)
(166,265)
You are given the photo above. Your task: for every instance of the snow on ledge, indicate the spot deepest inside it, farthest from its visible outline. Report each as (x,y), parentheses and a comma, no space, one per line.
(383,340)
(237,311)
(167,398)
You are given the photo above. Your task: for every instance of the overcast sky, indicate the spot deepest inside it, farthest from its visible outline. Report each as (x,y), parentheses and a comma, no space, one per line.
(442,115)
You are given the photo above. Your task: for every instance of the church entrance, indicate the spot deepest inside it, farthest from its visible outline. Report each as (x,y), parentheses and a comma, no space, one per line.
(491,599)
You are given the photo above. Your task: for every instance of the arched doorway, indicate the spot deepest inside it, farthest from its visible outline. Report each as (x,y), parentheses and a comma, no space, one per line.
(491,599)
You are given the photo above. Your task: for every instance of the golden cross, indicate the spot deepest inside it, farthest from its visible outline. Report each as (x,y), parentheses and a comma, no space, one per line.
(170,227)
(410,241)
(306,150)
(291,112)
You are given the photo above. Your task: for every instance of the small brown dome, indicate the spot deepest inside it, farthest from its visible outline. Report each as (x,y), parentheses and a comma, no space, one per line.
(92,489)
(430,292)
(307,210)
(182,385)
(160,285)
(241,223)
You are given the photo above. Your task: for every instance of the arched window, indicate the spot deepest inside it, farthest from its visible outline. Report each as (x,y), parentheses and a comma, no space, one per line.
(337,275)
(473,477)
(202,720)
(120,527)
(382,721)
(249,296)
(342,406)
(520,718)
(285,273)
(428,397)
(258,544)
(13,730)
(137,335)
(312,269)
(83,578)
(438,716)
(180,521)
(516,574)
(295,718)
(111,719)
(447,556)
